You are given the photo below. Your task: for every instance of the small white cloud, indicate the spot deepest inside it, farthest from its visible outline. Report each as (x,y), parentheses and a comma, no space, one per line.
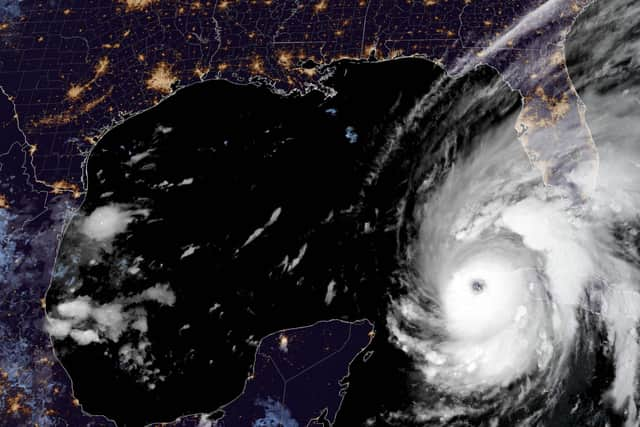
(138,359)
(133,270)
(78,309)
(110,319)
(274,217)
(131,356)
(191,249)
(164,129)
(105,222)
(331,292)
(160,293)
(257,232)
(141,325)
(289,266)
(204,421)
(84,337)
(137,157)
(58,328)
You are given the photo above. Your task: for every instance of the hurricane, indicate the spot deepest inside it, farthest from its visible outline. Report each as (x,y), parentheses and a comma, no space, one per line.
(520,301)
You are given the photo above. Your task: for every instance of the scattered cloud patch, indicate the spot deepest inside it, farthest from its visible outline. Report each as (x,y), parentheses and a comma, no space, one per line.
(140,156)
(84,337)
(274,216)
(190,250)
(123,321)
(275,414)
(141,325)
(58,328)
(351,135)
(257,232)
(136,358)
(77,317)
(288,266)
(163,129)
(105,222)
(110,320)
(161,293)
(78,309)
(331,292)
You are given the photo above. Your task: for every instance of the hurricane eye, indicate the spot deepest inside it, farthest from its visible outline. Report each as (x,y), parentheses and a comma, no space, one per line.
(478,286)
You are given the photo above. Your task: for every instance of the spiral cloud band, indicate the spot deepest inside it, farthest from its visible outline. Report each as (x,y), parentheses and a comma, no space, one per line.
(505,262)
(517,291)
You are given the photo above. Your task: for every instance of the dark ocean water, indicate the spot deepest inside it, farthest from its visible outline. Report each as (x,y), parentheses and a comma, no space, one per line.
(249,154)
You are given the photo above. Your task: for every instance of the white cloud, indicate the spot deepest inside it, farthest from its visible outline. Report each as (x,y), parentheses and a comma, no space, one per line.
(110,320)
(137,358)
(85,321)
(164,129)
(161,294)
(140,156)
(204,421)
(258,231)
(105,222)
(141,325)
(78,309)
(274,216)
(58,328)
(331,292)
(84,337)
(190,250)
(131,355)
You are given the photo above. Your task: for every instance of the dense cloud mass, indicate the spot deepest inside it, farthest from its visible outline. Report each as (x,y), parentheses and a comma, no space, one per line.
(518,295)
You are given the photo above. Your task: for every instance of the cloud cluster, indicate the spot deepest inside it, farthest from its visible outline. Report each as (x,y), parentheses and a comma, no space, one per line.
(123,321)
(105,222)
(86,321)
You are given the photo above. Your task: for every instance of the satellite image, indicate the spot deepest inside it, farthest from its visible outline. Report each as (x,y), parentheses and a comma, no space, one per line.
(323,213)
